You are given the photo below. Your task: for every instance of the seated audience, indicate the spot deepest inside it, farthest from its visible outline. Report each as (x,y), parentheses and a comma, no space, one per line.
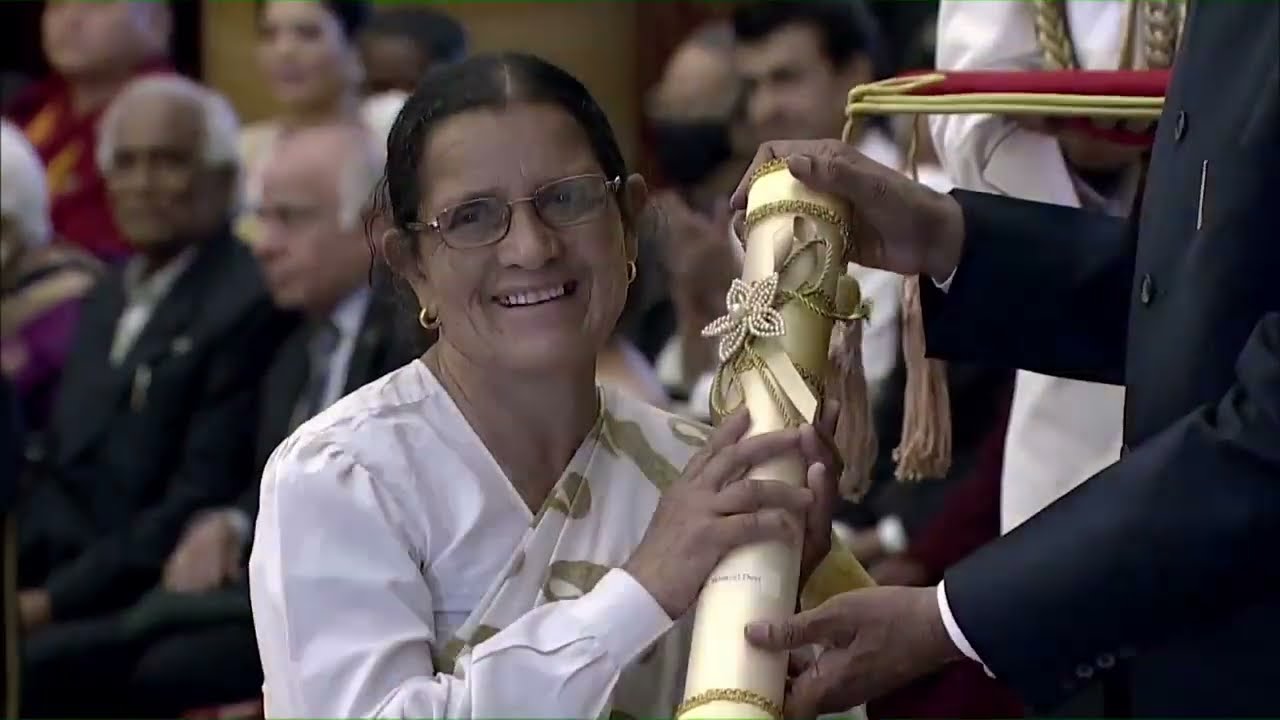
(94,49)
(41,282)
(314,256)
(11,466)
(308,56)
(400,44)
(149,426)
(702,145)
(485,532)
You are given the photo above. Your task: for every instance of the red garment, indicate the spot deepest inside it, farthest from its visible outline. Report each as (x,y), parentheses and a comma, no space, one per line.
(969,519)
(79,207)
(1119,83)
(970,515)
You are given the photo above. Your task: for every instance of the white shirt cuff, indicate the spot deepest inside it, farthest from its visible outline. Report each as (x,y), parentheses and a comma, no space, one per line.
(945,285)
(618,595)
(953,629)
(892,534)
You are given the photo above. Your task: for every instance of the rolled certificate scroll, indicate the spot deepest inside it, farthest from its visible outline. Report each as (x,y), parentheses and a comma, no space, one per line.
(773,351)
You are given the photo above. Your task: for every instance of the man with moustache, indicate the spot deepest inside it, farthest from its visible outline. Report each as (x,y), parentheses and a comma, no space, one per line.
(149,425)
(315,257)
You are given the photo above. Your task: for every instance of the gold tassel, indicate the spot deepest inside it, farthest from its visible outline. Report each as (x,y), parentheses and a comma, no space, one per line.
(855,435)
(925,448)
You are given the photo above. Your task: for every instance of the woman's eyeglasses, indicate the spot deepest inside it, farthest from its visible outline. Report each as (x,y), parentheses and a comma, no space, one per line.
(485,221)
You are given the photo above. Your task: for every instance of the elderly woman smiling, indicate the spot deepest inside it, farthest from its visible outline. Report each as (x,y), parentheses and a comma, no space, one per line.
(485,533)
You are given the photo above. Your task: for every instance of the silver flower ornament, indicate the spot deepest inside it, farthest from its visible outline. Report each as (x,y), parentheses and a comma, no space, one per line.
(751,314)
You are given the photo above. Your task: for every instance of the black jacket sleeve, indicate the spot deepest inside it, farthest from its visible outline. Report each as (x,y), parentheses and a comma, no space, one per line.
(1061,279)
(216,459)
(1162,540)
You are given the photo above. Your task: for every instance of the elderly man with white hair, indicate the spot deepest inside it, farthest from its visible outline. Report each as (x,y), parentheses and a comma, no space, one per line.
(149,427)
(317,183)
(41,282)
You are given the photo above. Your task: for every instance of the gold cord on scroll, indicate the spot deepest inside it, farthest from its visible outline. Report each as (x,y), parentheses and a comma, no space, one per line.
(925,447)
(775,357)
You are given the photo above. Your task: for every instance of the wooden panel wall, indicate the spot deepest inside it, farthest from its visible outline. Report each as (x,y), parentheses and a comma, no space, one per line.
(596,41)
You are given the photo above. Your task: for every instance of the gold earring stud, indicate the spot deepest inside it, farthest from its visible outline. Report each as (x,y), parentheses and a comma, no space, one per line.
(427,321)
(631,271)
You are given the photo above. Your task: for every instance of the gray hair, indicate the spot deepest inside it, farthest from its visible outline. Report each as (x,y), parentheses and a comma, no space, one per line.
(220,140)
(24,194)
(359,176)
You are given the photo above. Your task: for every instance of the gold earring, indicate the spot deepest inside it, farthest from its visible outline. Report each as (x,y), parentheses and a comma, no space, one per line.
(631,271)
(428,322)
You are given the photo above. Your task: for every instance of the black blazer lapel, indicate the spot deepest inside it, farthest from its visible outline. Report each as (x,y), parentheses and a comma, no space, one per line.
(92,387)
(378,350)
(169,328)
(281,390)
(366,356)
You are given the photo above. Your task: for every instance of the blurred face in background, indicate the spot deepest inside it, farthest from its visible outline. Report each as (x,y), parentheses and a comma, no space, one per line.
(305,55)
(691,113)
(163,193)
(793,91)
(83,39)
(392,62)
(312,250)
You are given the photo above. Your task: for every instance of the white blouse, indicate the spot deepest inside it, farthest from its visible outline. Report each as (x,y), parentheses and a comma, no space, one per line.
(383,524)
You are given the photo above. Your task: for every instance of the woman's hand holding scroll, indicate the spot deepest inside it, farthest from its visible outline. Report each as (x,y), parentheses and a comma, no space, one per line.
(902,226)
(712,509)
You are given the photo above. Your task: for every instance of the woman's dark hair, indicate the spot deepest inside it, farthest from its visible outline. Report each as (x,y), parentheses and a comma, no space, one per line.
(489,81)
(440,38)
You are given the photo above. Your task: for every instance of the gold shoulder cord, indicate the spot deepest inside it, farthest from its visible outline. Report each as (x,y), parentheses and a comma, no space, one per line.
(1162,20)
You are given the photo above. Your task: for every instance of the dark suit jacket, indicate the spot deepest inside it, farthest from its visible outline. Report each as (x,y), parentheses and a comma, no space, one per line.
(970,514)
(12,432)
(1159,573)
(977,396)
(140,447)
(379,349)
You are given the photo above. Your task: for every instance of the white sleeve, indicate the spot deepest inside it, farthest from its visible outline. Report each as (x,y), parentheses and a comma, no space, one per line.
(345,621)
(953,629)
(991,153)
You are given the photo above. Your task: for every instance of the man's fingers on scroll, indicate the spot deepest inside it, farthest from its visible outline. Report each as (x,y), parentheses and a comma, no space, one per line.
(747,496)
(818,626)
(832,173)
(765,153)
(819,684)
